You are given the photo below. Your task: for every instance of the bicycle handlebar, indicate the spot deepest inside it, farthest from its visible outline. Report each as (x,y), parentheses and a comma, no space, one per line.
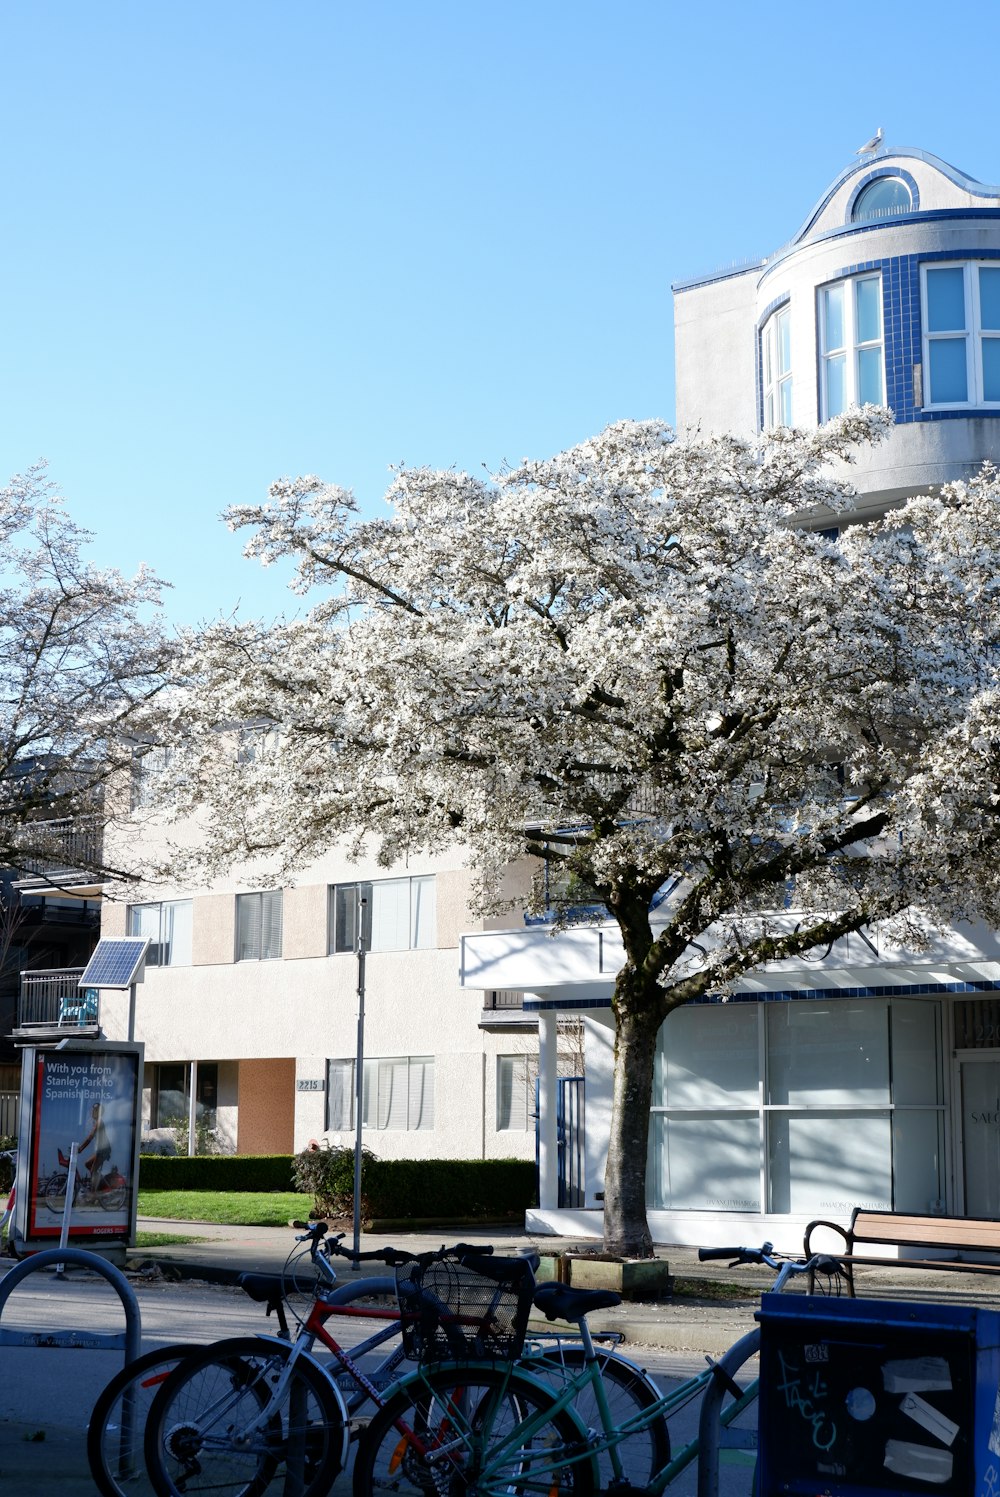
(390,1256)
(739,1254)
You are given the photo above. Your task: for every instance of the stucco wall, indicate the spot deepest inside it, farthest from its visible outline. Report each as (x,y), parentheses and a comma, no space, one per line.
(213,929)
(304,921)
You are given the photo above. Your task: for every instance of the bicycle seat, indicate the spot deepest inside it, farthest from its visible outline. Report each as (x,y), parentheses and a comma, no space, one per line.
(560,1302)
(263,1287)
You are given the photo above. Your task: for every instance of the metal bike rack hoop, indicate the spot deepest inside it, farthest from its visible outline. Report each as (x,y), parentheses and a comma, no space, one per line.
(128,1340)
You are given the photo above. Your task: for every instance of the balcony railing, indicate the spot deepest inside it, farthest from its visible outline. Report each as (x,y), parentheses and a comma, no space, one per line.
(495,999)
(51,999)
(70,848)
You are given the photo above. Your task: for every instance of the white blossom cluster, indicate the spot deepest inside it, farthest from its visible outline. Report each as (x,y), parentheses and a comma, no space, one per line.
(633,662)
(82,656)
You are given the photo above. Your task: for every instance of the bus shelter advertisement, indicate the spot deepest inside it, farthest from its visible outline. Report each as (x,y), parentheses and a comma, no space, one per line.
(89,1098)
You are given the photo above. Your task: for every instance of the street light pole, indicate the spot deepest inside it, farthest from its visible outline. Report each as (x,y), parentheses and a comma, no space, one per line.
(359,1076)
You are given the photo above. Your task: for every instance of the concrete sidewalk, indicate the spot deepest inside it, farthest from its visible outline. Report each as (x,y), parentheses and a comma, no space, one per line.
(689,1322)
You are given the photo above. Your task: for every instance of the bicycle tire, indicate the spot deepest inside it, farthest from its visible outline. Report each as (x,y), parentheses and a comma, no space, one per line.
(55,1188)
(114,1198)
(471,1410)
(111,1465)
(630,1396)
(196,1440)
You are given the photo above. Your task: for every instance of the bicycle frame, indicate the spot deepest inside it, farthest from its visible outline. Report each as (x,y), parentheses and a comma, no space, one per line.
(610,1437)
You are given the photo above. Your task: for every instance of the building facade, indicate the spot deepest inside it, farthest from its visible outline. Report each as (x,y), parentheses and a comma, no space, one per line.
(248,1011)
(868,1076)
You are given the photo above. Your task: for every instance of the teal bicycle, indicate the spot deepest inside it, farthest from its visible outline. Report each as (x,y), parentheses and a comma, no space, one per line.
(493,1428)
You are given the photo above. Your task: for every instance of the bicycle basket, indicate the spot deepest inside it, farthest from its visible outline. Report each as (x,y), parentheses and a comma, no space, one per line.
(477,1308)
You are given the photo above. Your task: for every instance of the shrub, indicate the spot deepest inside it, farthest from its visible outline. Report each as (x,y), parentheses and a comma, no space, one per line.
(328,1175)
(226,1172)
(7,1141)
(413,1189)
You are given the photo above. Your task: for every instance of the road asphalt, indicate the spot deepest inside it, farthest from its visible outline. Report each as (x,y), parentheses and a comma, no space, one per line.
(186,1293)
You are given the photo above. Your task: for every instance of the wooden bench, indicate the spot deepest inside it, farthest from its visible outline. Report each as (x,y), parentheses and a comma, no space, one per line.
(938,1234)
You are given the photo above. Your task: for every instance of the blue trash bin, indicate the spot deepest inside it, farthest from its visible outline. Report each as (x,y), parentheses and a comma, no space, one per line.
(859,1398)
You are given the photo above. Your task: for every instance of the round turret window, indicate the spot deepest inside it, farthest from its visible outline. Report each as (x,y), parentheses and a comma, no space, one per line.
(882,198)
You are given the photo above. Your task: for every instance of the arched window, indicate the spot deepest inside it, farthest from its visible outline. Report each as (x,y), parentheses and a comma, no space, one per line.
(881,199)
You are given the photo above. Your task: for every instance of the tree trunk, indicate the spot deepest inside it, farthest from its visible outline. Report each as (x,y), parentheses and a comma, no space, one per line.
(626,1231)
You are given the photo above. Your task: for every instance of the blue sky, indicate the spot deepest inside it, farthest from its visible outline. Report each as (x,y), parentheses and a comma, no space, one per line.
(244,240)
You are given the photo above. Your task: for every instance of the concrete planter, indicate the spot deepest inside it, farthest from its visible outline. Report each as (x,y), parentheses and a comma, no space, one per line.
(632,1278)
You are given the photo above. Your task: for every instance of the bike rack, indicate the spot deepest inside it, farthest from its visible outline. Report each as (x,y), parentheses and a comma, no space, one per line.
(128,1340)
(713,1434)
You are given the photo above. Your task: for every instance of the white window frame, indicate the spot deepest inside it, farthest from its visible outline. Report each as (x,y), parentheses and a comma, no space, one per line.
(269,922)
(777,382)
(852,347)
(420,894)
(379,1107)
(163,942)
(973,334)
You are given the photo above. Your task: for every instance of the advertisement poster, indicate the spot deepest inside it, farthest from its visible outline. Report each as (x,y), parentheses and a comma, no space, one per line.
(90,1098)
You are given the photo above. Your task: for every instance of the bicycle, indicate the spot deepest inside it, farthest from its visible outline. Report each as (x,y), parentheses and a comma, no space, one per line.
(117,1420)
(110,1192)
(432,1437)
(190,1424)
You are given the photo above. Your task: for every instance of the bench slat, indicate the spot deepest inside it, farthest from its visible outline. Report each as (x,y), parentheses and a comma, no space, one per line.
(955,1233)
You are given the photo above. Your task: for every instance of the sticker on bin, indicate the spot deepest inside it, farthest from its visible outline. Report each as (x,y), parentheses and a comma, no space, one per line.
(933,1421)
(917,1375)
(925,1462)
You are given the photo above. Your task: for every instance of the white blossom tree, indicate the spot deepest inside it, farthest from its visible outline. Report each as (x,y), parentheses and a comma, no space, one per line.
(81,652)
(634,664)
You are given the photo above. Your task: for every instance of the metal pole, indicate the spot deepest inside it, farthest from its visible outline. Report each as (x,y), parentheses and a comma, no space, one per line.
(67,1204)
(359,1076)
(192,1109)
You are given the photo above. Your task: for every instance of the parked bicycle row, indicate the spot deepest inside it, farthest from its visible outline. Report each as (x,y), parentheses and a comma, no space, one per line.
(488,1405)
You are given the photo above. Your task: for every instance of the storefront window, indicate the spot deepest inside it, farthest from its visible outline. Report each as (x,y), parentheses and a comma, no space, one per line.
(813,1106)
(694,1070)
(705,1163)
(824,1053)
(828,1162)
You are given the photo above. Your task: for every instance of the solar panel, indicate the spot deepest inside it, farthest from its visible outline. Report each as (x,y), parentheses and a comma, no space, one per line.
(115,964)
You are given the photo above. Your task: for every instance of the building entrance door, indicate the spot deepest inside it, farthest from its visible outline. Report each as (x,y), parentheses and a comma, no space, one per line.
(979,1090)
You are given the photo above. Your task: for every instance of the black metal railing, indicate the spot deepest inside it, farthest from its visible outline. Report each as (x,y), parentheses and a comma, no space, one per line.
(51,998)
(502,998)
(71,846)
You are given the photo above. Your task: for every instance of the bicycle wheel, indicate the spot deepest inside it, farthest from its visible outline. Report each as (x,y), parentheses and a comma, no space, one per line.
(113,1198)
(217,1425)
(114,1434)
(452,1429)
(630,1397)
(53,1191)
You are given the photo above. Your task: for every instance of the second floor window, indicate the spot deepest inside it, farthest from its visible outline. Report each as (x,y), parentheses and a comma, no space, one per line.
(168,926)
(850,340)
(150,764)
(776,352)
(399,915)
(258,926)
(961,306)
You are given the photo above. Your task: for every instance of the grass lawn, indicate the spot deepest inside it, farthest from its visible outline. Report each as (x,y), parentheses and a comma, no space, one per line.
(165,1239)
(230,1208)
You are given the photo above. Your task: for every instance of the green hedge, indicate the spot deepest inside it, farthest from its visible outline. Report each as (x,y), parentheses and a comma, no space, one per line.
(216,1172)
(403,1189)
(464,1188)
(390,1188)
